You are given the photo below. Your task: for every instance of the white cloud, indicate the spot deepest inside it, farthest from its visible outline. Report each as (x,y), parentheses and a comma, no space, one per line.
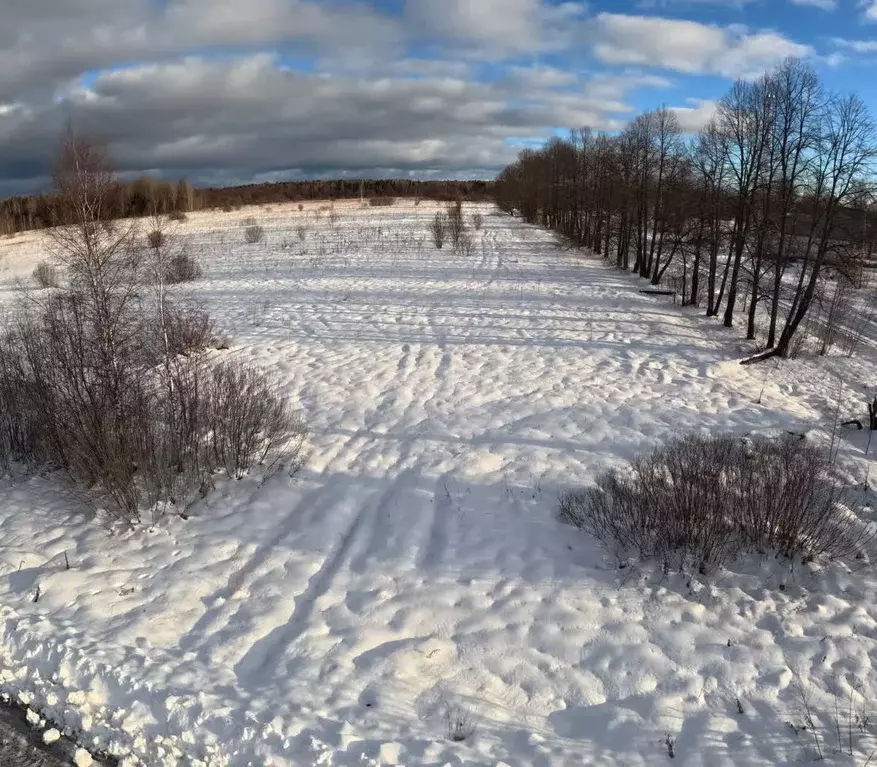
(856,46)
(825,5)
(44,48)
(689,46)
(495,26)
(870,9)
(669,3)
(334,27)
(695,114)
(514,24)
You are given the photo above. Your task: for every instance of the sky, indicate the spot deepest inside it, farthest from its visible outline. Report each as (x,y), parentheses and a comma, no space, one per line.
(240,91)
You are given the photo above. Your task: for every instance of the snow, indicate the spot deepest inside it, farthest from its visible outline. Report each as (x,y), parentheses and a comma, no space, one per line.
(412,580)
(51,736)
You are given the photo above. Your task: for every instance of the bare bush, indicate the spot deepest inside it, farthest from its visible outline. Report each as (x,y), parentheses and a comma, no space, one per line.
(465,244)
(459,723)
(477,221)
(859,324)
(22,438)
(301,207)
(456,223)
(109,387)
(46,275)
(381,202)
(156,238)
(151,431)
(838,313)
(247,420)
(705,500)
(799,344)
(168,262)
(177,216)
(439,229)
(839,719)
(184,329)
(182,267)
(254,234)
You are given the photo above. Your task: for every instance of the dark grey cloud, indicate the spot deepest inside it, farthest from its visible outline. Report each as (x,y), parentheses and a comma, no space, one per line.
(251,116)
(200,87)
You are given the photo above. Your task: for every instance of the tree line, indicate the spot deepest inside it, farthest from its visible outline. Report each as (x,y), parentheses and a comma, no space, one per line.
(150,196)
(755,215)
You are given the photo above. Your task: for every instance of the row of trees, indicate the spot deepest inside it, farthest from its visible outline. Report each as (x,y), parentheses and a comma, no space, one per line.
(147,196)
(774,194)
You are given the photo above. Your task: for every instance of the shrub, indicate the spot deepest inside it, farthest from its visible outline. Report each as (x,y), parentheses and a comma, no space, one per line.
(439,229)
(21,433)
(99,383)
(456,223)
(182,267)
(156,239)
(381,202)
(705,500)
(254,234)
(46,275)
(459,723)
(227,208)
(477,221)
(188,330)
(149,432)
(300,207)
(465,244)
(178,216)
(246,419)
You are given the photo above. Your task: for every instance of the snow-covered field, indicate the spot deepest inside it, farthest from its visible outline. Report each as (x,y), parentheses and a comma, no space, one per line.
(412,579)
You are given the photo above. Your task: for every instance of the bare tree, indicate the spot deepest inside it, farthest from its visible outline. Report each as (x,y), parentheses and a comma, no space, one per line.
(798,101)
(845,153)
(707,160)
(99,254)
(741,118)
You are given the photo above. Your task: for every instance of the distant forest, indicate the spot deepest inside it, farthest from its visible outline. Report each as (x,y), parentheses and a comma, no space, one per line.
(148,195)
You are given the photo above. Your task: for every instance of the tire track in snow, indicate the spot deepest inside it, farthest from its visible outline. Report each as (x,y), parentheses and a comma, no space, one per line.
(437,542)
(384,525)
(217,616)
(389,398)
(257,667)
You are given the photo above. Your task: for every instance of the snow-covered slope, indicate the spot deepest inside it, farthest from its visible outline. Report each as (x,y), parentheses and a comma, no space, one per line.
(412,579)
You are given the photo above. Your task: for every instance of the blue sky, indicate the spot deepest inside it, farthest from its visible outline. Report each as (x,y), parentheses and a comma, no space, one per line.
(227,91)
